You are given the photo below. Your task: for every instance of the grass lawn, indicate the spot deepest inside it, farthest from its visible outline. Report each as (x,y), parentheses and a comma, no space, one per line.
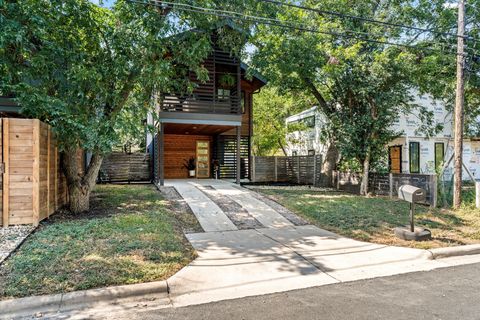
(129,236)
(373,219)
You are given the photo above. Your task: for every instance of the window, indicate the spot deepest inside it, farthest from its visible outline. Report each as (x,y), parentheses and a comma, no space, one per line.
(439,154)
(311,152)
(309,122)
(294,153)
(414,157)
(223,94)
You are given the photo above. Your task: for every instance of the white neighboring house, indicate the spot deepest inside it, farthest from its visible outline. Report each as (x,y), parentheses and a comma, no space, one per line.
(410,153)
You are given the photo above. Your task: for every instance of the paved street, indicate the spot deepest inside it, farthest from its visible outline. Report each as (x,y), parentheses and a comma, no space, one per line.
(449,293)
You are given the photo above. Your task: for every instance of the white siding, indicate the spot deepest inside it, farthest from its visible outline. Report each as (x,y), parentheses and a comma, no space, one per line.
(408,125)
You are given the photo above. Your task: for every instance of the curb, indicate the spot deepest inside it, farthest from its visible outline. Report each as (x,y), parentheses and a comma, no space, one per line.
(65,301)
(439,253)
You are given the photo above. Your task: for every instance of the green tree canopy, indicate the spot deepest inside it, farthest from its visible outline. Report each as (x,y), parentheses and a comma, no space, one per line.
(271,109)
(360,82)
(75,65)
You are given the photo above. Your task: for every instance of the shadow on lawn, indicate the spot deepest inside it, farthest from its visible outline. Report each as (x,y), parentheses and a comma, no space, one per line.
(369,218)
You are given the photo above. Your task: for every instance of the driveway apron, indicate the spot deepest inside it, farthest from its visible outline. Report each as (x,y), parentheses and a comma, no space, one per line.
(278,256)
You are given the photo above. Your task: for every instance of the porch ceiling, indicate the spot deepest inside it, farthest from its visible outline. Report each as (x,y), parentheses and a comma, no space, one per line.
(195,129)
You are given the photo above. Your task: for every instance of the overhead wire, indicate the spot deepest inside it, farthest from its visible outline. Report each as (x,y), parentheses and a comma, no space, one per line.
(354,17)
(282,24)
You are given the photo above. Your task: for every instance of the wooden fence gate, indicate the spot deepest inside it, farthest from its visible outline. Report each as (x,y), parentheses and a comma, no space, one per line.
(32,184)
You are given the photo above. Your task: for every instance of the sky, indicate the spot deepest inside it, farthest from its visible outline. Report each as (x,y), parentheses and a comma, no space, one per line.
(105,3)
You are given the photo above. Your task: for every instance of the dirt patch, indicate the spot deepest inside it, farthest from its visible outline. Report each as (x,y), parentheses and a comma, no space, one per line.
(235,212)
(183,213)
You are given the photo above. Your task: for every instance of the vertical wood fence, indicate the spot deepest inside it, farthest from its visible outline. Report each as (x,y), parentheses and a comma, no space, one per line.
(291,169)
(33,186)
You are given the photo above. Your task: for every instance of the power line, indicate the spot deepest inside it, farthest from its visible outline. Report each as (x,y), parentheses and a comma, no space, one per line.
(279,23)
(271,19)
(353,17)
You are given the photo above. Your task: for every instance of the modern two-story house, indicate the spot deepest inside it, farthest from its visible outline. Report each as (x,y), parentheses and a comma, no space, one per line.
(412,152)
(213,124)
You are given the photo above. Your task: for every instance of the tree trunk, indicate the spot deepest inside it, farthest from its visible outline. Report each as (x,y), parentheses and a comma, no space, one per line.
(79,198)
(80,184)
(329,165)
(282,147)
(366,172)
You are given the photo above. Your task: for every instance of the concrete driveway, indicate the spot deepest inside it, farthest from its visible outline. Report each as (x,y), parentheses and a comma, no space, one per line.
(275,254)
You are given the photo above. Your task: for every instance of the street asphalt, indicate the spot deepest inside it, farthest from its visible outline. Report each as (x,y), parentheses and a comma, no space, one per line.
(449,293)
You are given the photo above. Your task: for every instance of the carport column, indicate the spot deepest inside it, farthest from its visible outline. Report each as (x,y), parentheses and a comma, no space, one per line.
(161,156)
(238,165)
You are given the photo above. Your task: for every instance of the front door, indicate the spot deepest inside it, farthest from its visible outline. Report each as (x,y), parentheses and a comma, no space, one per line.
(395,157)
(203,159)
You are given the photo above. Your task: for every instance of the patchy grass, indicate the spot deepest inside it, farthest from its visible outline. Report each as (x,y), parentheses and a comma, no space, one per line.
(373,219)
(129,236)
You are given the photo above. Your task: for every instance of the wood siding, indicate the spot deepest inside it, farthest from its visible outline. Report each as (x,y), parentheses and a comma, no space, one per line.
(177,149)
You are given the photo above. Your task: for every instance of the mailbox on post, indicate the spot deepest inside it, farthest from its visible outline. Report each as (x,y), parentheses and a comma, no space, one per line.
(412,195)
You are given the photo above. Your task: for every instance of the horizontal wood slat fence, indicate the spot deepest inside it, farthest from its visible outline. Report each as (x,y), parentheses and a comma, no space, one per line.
(125,167)
(290,169)
(387,184)
(32,184)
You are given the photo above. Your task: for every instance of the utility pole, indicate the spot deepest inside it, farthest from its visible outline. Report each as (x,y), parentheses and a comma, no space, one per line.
(459,101)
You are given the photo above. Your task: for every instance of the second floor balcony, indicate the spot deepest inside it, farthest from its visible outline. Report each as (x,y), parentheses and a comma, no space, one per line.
(220,101)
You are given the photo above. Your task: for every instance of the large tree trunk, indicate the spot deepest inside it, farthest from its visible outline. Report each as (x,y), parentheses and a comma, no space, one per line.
(366,172)
(80,185)
(329,165)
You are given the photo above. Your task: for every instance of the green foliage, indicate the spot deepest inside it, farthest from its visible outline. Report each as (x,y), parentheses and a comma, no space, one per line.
(360,87)
(189,163)
(227,81)
(76,65)
(437,70)
(271,109)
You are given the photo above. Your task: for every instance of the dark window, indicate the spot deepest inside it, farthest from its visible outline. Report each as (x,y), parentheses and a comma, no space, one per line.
(294,153)
(309,122)
(311,152)
(439,154)
(414,157)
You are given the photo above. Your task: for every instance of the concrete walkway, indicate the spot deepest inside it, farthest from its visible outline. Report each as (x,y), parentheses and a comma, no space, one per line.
(280,256)
(208,214)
